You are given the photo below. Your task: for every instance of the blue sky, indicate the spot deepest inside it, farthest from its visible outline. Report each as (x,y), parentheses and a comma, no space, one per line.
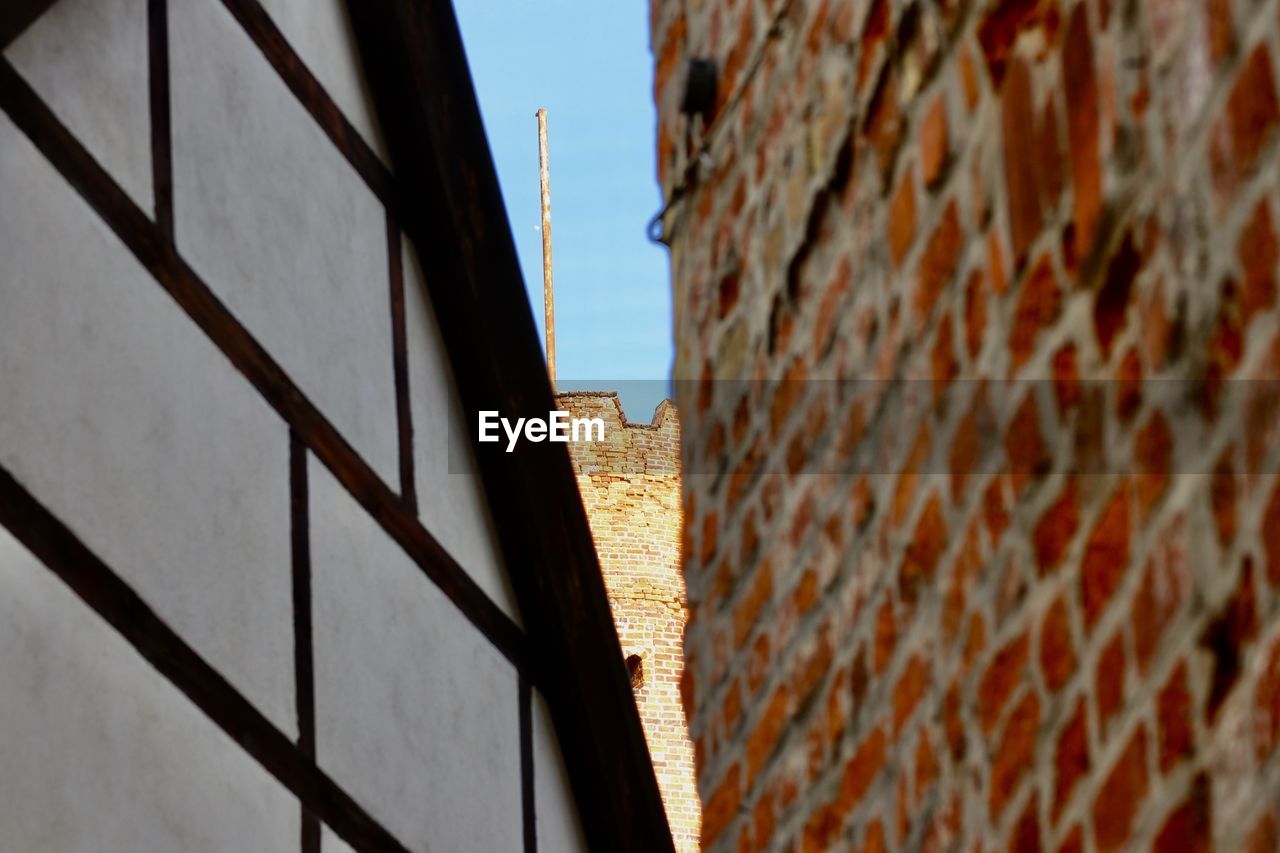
(589,64)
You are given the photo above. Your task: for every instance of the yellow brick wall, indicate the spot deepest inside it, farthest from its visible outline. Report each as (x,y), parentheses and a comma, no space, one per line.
(630,486)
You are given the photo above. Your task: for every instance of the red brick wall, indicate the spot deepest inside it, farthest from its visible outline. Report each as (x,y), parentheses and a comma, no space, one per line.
(630,486)
(1041,611)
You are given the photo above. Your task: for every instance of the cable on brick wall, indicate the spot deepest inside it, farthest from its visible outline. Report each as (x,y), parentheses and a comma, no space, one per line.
(655,230)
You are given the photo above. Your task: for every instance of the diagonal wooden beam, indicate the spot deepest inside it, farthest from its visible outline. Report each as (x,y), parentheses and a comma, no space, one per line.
(154,250)
(450,205)
(17,15)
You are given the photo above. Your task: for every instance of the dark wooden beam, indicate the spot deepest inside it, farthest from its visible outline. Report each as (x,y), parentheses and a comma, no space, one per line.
(17,15)
(449,204)
(306,88)
(54,545)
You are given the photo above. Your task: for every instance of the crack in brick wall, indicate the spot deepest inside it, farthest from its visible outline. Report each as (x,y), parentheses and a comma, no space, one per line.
(1020,653)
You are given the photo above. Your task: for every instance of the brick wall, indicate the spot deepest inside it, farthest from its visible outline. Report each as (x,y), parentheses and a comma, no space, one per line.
(630,486)
(1041,613)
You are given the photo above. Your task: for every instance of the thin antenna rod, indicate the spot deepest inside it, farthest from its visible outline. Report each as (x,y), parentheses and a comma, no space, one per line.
(548,297)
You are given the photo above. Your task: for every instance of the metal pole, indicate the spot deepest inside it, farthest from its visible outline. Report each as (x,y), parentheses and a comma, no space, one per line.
(548,298)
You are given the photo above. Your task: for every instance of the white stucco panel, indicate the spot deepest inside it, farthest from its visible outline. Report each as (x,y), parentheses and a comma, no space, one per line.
(282,228)
(101,753)
(88,60)
(134,430)
(451,499)
(557,823)
(416,714)
(320,32)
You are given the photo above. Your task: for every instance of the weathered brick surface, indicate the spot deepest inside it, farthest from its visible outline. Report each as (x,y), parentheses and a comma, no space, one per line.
(1070,593)
(630,485)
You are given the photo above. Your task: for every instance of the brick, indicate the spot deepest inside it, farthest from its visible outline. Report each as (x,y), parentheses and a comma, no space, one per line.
(1066,379)
(1112,303)
(819,832)
(1015,753)
(883,125)
(730,284)
(1222,499)
(1024,446)
(902,217)
(764,815)
(862,769)
(1173,712)
(710,532)
(1188,828)
(1226,636)
(995,263)
(966,447)
(1021,190)
(976,640)
(1153,446)
(953,723)
(999,28)
(1026,832)
(933,142)
(722,806)
(1074,842)
(1106,556)
(1083,129)
(732,709)
(806,593)
(1219,36)
(816,665)
(874,33)
(943,362)
(938,261)
(885,637)
(1071,759)
(758,662)
(875,840)
(908,691)
(1128,385)
(1225,347)
(858,677)
(969,79)
(1005,672)
(1246,125)
(748,610)
(921,558)
(1038,307)
(1057,527)
(926,765)
(1049,166)
(1258,256)
(1158,329)
(1109,689)
(764,736)
(995,508)
(975,313)
(1121,795)
(1057,652)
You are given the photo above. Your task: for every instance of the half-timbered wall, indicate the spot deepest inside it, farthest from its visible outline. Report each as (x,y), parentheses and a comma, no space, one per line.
(244,601)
